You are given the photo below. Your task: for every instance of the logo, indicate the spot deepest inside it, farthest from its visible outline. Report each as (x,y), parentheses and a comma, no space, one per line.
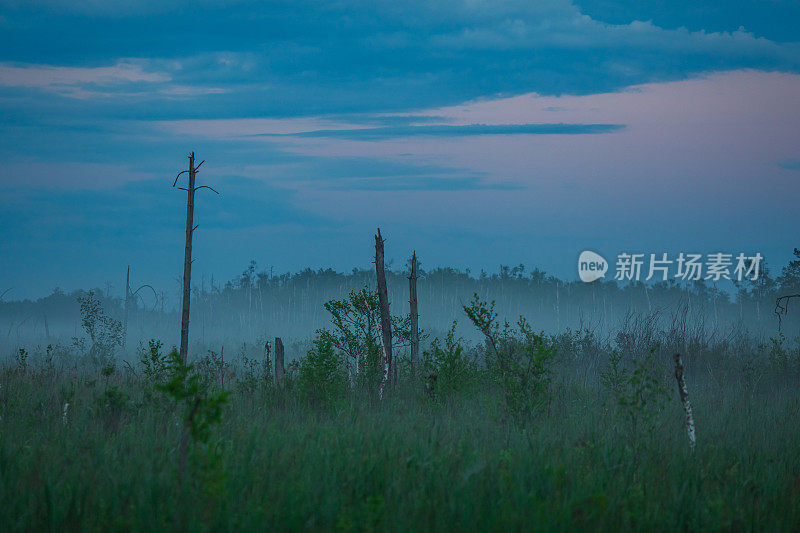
(635,267)
(591,266)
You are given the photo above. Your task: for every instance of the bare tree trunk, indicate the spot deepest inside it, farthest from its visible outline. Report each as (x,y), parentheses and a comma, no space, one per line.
(687,405)
(385,378)
(266,358)
(383,301)
(412,289)
(187,261)
(127,305)
(280,371)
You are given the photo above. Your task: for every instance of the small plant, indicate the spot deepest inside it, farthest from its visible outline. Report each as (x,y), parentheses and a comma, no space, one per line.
(322,378)
(108,370)
(21,359)
(638,393)
(783,357)
(105,333)
(614,376)
(153,361)
(213,367)
(446,368)
(112,403)
(202,408)
(48,357)
(256,374)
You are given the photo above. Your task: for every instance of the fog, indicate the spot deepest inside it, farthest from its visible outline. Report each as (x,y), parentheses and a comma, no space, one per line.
(258,306)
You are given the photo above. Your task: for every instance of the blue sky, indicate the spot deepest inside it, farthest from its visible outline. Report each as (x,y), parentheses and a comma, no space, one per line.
(478,133)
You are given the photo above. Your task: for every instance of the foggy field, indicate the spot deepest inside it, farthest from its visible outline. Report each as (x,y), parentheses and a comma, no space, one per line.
(462,265)
(593,437)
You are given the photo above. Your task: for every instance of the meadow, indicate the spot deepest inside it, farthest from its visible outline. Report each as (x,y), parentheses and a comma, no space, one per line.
(571,431)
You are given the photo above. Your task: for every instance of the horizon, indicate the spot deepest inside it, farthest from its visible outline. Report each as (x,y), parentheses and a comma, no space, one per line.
(114,288)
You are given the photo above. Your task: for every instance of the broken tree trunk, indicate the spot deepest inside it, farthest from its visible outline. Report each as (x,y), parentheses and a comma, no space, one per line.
(687,405)
(187,256)
(187,261)
(383,301)
(46,326)
(280,370)
(127,305)
(412,289)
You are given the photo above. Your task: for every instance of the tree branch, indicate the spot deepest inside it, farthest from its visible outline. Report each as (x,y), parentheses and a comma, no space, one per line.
(178,176)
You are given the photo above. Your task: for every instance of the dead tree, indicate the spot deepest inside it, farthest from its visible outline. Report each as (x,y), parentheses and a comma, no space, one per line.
(280,370)
(46,327)
(127,305)
(687,405)
(130,301)
(412,289)
(386,321)
(187,257)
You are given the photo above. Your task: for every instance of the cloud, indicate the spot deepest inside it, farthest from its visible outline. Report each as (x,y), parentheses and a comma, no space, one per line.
(124,79)
(423,183)
(499,106)
(280,59)
(388,132)
(57,77)
(775,19)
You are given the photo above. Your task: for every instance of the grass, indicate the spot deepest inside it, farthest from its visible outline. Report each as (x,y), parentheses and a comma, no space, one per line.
(407,463)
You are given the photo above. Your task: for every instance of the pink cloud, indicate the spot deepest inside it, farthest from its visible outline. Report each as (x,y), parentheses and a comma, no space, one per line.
(53,77)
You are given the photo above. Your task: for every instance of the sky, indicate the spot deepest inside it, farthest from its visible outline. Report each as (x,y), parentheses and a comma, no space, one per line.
(477,133)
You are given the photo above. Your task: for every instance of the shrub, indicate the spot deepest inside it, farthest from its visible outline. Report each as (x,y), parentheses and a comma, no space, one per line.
(213,368)
(202,408)
(153,361)
(106,333)
(520,358)
(446,368)
(639,393)
(322,378)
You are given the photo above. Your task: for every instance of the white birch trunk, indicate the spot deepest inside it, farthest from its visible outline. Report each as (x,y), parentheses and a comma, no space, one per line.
(687,405)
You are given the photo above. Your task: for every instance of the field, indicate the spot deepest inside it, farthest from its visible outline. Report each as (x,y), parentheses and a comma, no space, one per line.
(90,443)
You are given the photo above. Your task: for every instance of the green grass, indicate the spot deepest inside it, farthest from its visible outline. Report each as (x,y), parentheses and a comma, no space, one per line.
(408,463)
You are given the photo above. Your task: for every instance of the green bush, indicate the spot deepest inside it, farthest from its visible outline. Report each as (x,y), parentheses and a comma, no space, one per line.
(446,368)
(202,409)
(322,378)
(639,393)
(520,359)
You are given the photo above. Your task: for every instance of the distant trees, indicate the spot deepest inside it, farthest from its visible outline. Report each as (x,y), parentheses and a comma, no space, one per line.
(263,303)
(789,280)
